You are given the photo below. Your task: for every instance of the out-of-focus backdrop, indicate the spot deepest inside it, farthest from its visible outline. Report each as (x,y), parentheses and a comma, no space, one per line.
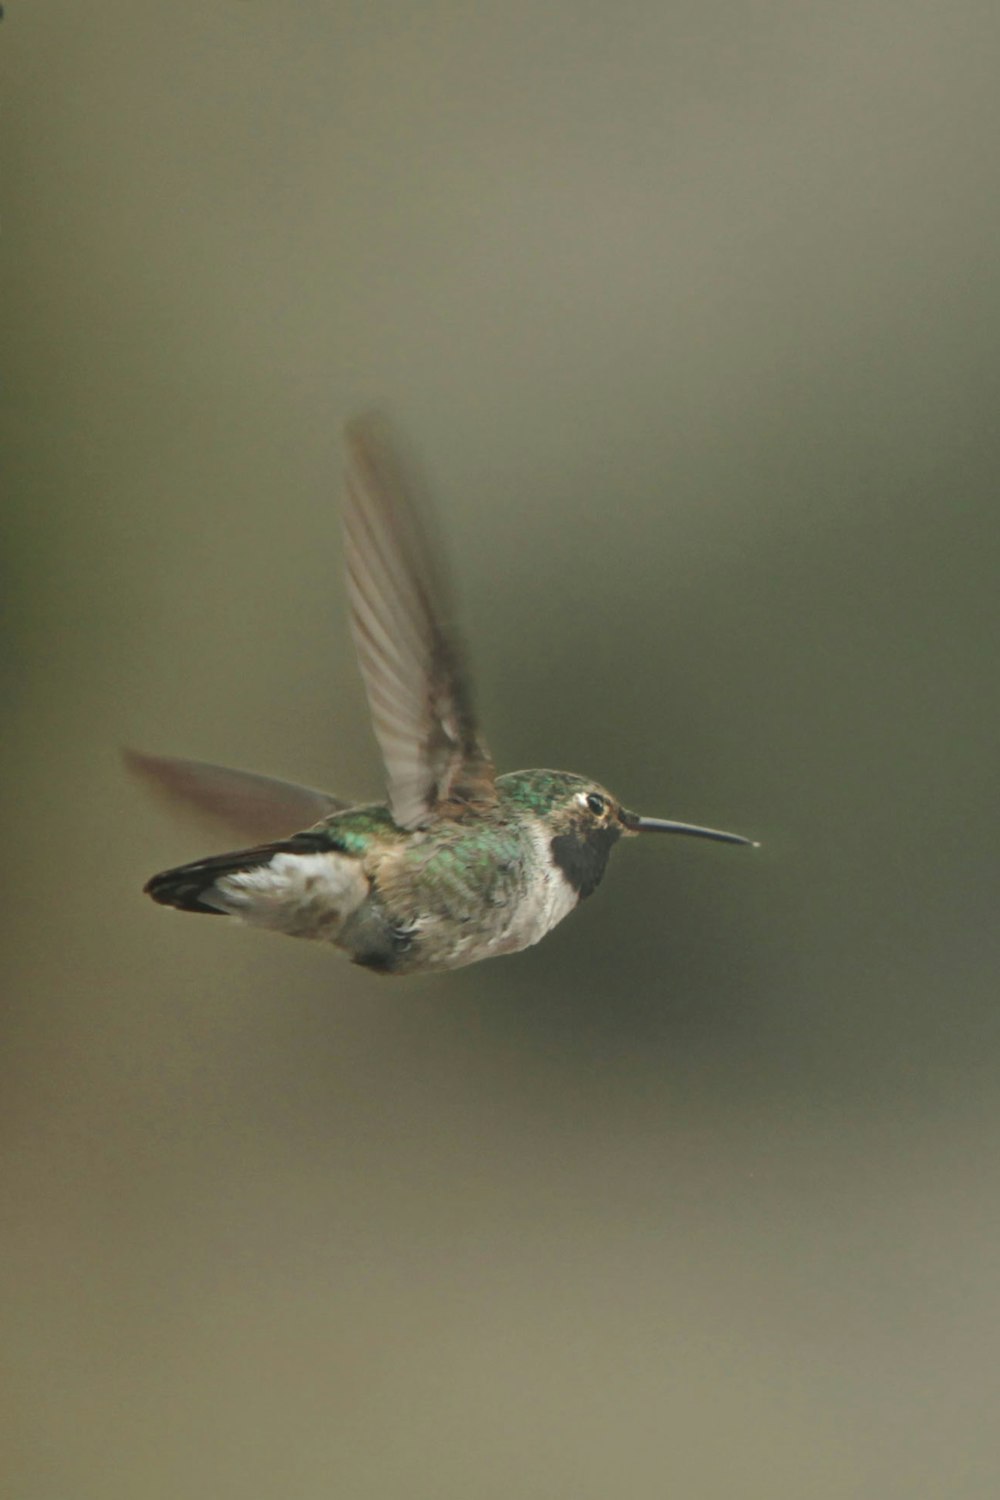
(692,313)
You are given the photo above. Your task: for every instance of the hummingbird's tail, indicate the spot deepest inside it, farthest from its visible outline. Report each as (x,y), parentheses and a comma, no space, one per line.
(302,885)
(193,887)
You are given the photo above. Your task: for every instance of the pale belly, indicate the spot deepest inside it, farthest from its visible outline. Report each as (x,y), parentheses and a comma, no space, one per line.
(514,916)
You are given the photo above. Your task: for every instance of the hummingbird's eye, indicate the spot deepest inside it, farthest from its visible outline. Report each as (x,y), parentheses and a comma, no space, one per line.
(598,805)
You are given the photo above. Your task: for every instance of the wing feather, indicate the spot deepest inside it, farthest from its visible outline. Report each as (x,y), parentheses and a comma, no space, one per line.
(256,808)
(411,659)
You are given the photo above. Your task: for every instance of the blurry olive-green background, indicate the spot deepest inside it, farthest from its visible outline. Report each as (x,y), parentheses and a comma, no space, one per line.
(692,312)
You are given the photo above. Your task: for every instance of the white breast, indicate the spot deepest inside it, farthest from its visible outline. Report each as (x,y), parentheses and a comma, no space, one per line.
(547,901)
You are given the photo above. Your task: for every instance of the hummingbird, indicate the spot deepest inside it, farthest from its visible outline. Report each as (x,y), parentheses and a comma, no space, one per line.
(459,863)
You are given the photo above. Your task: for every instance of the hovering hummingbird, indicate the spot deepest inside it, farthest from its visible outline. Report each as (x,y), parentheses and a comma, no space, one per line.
(460,864)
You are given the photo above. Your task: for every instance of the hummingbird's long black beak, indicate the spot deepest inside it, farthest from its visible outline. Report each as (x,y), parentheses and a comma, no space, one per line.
(636,824)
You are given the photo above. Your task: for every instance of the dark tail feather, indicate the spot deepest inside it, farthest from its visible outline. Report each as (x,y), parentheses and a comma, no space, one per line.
(184,886)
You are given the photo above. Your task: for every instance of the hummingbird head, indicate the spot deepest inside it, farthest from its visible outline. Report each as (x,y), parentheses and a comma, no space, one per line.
(584,821)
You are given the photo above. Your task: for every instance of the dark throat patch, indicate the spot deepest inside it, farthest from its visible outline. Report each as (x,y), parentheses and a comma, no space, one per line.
(584,858)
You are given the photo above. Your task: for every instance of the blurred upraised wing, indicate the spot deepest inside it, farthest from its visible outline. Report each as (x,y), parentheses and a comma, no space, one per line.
(411,659)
